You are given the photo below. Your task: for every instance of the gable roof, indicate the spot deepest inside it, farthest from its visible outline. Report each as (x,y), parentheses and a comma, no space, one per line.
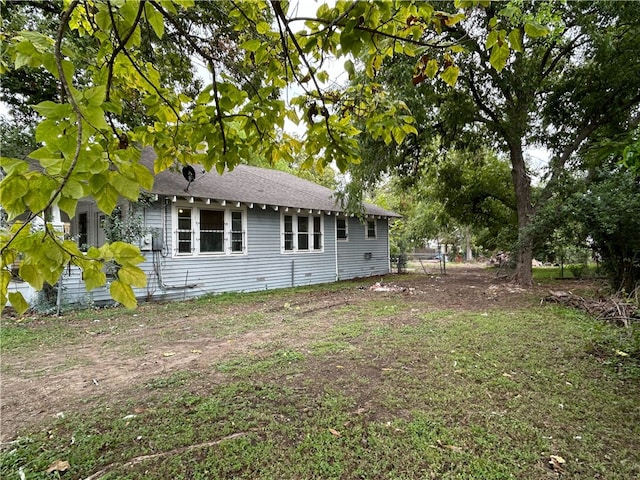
(257,186)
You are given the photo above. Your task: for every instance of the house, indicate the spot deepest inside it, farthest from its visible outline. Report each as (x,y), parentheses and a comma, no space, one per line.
(245,230)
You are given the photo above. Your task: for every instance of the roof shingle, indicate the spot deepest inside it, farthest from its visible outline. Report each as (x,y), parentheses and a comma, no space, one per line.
(247,184)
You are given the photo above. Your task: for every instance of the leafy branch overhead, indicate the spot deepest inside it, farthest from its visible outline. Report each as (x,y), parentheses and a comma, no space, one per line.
(101,54)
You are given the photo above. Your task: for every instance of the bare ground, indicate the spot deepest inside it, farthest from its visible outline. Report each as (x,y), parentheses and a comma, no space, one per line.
(110,354)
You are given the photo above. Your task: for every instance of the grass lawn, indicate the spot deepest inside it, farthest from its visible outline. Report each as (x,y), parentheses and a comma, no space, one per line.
(331,382)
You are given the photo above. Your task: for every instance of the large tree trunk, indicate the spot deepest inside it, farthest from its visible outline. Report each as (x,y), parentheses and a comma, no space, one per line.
(522,185)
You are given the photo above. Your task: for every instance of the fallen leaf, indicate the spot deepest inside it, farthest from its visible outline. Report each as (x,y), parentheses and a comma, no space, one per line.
(454,448)
(59,466)
(557,463)
(196,351)
(168,354)
(334,432)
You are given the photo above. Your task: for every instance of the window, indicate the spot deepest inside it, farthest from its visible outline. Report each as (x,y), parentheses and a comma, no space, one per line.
(211,231)
(83,231)
(341,229)
(237,243)
(371,229)
(302,233)
(288,232)
(206,231)
(317,233)
(185,231)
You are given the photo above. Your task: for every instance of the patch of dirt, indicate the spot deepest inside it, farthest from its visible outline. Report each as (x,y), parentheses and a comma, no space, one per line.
(112,355)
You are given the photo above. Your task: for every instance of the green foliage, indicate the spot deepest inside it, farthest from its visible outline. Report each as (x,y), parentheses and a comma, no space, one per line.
(105,91)
(447,195)
(549,93)
(610,214)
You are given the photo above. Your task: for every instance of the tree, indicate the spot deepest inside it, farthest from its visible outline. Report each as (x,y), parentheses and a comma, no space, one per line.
(560,90)
(98,53)
(609,212)
(454,191)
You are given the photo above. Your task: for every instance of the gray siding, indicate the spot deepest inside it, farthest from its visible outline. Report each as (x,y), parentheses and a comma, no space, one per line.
(359,256)
(263,266)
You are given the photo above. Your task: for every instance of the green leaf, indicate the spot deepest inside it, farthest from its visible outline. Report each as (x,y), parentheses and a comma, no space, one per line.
(350,69)
(107,198)
(55,111)
(11,165)
(38,195)
(125,186)
(492,39)
(93,277)
(68,205)
(515,40)
(510,11)
(73,189)
(263,27)
(451,20)
(12,189)
(398,134)
(431,68)
(95,117)
(95,95)
(410,129)
(534,29)
(133,276)
(18,302)
(499,56)
(450,75)
(5,278)
(123,293)
(143,176)
(47,132)
(126,254)
(251,45)
(155,19)
(31,275)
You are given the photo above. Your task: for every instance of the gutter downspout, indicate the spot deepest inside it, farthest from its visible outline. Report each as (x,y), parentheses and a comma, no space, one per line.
(335,244)
(388,247)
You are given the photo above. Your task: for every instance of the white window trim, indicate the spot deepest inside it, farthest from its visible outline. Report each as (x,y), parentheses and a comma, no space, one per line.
(375,228)
(195,231)
(294,221)
(346,229)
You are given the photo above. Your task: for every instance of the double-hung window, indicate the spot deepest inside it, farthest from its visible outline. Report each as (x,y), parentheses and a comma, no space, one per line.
(205,231)
(317,233)
(371,229)
(184,237)
(211,231)
(342,229)
(237,232)
(302,233)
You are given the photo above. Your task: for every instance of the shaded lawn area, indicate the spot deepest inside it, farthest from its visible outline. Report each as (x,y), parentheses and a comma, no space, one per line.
(339,382)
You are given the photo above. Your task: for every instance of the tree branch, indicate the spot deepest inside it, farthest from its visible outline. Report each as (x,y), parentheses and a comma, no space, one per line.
(121,42)
(281,15)
(66,93)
